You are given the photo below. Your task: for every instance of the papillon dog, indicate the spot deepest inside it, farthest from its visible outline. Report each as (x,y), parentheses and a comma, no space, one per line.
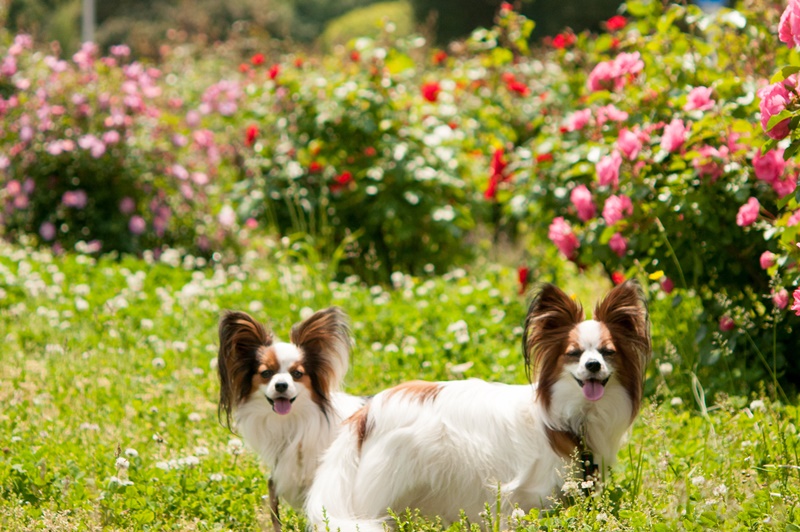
(444,447)
(284,396)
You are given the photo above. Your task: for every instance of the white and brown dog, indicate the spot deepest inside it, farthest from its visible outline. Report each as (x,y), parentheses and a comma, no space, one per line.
(284,396)
(443,447)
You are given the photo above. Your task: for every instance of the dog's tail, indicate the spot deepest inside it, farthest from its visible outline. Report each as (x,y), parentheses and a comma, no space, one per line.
(330,505)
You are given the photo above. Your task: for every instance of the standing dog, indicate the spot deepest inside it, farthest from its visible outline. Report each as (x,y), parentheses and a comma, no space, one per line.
(446,446)
(284,397)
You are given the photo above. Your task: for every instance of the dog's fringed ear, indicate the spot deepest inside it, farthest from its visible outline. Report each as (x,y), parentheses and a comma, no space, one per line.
(551,316)
(240,339)
(624,312)
(325,341)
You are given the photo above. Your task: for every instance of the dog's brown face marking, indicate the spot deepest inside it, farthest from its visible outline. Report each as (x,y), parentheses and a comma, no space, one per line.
(267,361)
(574,344)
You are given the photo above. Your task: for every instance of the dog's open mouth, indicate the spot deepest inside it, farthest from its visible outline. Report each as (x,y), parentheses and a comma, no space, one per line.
(281,405)
(593,389)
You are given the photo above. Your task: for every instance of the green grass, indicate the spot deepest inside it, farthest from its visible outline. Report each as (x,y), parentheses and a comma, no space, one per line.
(106,359)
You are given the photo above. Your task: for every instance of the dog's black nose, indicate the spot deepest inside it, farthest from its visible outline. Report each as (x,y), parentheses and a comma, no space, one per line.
(283,386)
(593,366)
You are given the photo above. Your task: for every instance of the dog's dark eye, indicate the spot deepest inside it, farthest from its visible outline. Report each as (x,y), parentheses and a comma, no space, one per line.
(297,375)
(267,374)
(575,353)
(606,351)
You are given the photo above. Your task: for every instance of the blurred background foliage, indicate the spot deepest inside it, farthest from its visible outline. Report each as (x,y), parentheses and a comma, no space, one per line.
(144,24)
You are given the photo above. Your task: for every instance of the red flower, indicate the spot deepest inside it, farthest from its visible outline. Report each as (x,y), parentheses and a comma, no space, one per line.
(439,57)
(430,91)
(251,134)
(355,56)
(506,6)
(369,151)
(563,40)
(726,324)
(257,59)
(341,181)
(544,158)
(298,62)
(273,72)
(523,274)
(618,277)
(244,67)
(314,167)
(497,175)
(519,87)
(617,22)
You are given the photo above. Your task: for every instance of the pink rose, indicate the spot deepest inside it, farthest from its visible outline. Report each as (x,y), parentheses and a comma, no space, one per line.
(780,298)
(796,303)
(794,219)
(560,233)
(784,187)
(748,213)
(708,163)
(674,135)
(137,225)
(618,244)
(767,260)
(581,198)
(769,166)
(47,231)
(699,99)
(74,198)
(608,169)
(578,119)
(610,113)
(789,27)
(617,208)
(629,144)
(602,77)
(774,99)
(628,64)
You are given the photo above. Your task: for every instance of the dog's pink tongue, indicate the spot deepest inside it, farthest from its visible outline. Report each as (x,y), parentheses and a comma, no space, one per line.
(282,406)
(593,390)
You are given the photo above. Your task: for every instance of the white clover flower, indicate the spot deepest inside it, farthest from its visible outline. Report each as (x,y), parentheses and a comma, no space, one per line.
(306,312)
(758,404)
(122,463)
(81,304)
(517,514)
(587,484)
(235,446)
(720,490)
(201,451)
(256,306)
(89,426)
(215,477)
(194,417)
(699,480)
(158,363)
(132,453)
(189,461)
(146,324)
(676,401)
(164,466)
(665,369)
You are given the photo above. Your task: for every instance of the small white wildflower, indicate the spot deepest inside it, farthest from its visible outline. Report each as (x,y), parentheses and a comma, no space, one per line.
(201,451)
(157,438)
(256,306)
(89,426)
(306,312)
(180,346)
(758,404)
(391,348)
(132,453)
(189,461)
(158,363)
(602,517)
(376,346)
(194,417)
(235,446)
(198,372)
(676,401)
(146,324)
(122,463)
(570,487)
(699,480)
(163,466)
(517,514)
(81,304)
(587,484)
(720,490)
(215,477)
(665,369)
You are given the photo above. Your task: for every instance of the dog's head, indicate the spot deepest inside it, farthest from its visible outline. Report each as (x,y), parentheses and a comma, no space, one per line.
(564,349)
(308,368)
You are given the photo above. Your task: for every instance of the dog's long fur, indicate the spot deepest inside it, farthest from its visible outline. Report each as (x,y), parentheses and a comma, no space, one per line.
(446,446)
(284,397)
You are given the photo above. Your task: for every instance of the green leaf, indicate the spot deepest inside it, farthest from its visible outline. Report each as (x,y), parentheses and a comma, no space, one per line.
(784,73)
(398,62)
(774,120)
(791,150)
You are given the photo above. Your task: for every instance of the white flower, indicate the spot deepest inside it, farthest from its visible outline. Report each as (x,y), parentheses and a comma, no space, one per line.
(757,404)
(201,451)
(131,453)
(676,401)
(665,369)
(235,446)
(518,514)
(720,490)
(256,306)
(194,417)
(215,477)
(163,466)
(190,461)
(158,362)
(146,324)
(699,480)
(306,312)
(122,463)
